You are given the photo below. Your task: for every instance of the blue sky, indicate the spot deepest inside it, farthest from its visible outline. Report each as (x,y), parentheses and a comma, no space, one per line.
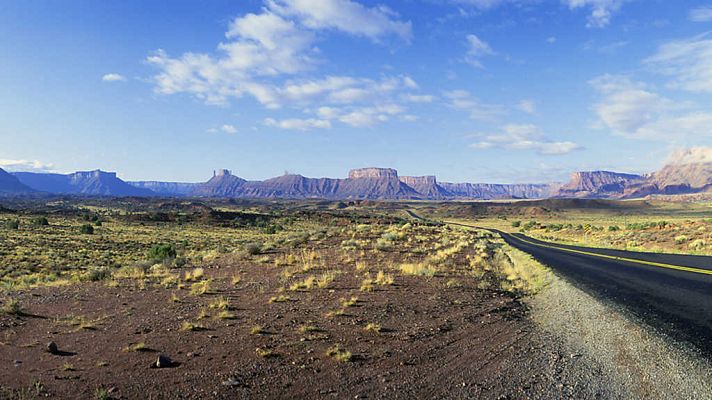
(469,90)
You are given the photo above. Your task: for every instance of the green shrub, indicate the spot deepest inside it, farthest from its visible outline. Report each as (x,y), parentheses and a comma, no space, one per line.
(613,228)
(516,224)
(253,248)
(160,252)
(86,229)
(40,221)
(12,224)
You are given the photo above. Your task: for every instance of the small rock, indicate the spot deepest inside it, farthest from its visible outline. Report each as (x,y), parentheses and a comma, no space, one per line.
(52,348)
(163,362)
(232,382)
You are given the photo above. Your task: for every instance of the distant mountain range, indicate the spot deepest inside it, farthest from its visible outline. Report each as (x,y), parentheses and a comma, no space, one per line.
(690,172)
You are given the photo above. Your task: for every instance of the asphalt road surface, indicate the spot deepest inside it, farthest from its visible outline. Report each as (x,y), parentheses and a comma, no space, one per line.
(670,292)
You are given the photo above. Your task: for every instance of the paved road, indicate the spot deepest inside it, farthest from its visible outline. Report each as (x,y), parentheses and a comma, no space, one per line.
(672,293)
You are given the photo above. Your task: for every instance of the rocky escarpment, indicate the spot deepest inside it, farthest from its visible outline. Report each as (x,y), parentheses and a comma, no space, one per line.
(373,173)
(598,184)
(493,191)
(9,184)
(88,183)
(367,183)
(427,186)
(686,172)
(167,189)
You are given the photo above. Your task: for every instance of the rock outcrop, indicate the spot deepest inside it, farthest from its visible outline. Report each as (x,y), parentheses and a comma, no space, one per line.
(427,186)
(495,191)
(166,189)
(10,185)
(599,184)
(88,183)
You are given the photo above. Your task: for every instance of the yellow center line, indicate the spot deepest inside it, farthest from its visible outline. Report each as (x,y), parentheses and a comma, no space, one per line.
(631,260)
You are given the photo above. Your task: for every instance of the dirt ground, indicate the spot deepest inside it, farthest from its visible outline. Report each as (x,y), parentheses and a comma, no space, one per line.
(436,342)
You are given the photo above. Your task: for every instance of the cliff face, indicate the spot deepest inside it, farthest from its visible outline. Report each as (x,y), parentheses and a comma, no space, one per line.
(90,183)
(220,185)
(373,173)
(167,189)
(493,191)
(598,184)
(367,183)
(427,186)
(11,185)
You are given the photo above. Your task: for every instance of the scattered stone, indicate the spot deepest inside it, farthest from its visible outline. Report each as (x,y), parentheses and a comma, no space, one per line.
(52,348)
(163,362)
(232,382)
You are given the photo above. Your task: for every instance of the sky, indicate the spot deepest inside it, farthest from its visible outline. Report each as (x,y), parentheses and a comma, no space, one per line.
(505,91)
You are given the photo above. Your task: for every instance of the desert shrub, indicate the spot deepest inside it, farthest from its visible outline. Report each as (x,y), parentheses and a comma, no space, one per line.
(86,229)
(680,239)
(529,225)
(697,244)
(12,224)
(613,228)
(40,221)
(160,252)
(253,248)
(96,274)
(12,306)
(516,224)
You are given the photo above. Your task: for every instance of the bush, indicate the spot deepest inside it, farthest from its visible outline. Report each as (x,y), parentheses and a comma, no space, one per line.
(40,221)
(253,248)
(86,229)
(12,224)
(613,228)
(529,225)
(160,252)
(516,224)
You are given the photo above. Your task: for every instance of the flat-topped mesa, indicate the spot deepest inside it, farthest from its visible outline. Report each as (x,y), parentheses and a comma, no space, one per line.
(596,180)
(414,181)
(373,173)
(97,173)
(222,172)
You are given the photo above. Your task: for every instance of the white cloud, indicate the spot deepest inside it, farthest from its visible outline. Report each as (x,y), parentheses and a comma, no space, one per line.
(113,77)
(463,100)
(701,14)
(688,61)
(343,15)
(634,110)
(363,116)
(524,137)
(601,10)
(227,128)
(477,48)
(527,106)
(26,165)
(267,56)
(551,39)
(298,124)
(418,98)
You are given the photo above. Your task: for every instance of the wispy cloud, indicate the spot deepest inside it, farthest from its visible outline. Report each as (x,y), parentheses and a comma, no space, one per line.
(26,165)
(463,100)
(272,57)
(476,49)
(524,137)
(298,124)
(634,110)
(701,14)
(527,106)
(113,77)
(344,15)
(688,61)
(601,10)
